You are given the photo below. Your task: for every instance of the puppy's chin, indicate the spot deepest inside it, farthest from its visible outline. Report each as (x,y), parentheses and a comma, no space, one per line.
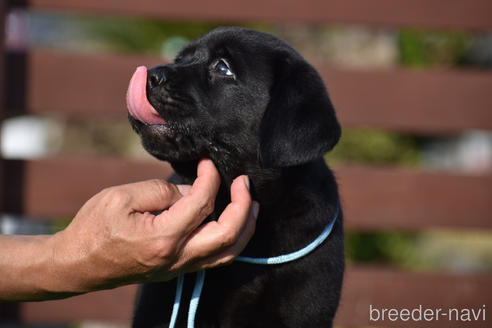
(167,143)
(152,130)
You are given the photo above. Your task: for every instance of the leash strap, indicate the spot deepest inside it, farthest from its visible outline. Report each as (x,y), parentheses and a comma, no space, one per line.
(200,276)
(195,297)
(295,255)
(177,300)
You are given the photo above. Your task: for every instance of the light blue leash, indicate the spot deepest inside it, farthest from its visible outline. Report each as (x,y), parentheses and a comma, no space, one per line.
(200,276)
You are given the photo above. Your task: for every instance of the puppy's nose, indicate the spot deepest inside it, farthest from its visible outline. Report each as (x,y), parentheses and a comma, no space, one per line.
(155,77)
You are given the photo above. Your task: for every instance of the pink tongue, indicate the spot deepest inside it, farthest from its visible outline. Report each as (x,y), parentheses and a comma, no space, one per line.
(136,99)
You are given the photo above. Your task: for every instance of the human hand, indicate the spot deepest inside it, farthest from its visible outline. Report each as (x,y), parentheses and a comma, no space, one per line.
(115,240)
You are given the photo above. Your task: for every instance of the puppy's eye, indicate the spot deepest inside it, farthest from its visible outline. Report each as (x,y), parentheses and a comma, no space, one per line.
(222,67)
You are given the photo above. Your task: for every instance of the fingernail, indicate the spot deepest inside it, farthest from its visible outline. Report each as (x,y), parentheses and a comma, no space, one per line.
(246,181)
(255,209)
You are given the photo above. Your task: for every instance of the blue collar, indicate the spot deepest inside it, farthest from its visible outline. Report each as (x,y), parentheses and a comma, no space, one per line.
(200,277)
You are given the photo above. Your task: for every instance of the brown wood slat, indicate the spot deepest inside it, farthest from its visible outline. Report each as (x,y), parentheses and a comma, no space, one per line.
(109,305)
(428,102)
(362,287)
(388,198)
(455,14)
(385,288)
(80,85)
(57,188)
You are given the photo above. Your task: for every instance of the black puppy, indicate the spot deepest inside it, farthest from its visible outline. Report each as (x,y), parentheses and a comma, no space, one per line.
(254,106)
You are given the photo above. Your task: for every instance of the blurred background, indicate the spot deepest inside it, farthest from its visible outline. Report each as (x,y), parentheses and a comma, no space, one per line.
(412,86)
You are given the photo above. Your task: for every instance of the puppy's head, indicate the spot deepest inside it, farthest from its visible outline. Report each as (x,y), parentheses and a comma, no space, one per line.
(236,96)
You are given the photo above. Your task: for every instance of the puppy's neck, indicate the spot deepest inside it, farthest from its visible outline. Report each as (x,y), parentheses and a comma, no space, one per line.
(264,183)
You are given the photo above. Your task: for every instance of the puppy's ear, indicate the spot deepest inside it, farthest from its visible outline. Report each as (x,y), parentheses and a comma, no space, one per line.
(299,123)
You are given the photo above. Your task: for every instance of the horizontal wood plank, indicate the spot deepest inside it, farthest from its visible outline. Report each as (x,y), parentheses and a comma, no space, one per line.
(363,286)
(387,288)
(114,305)
(427,102)
(388,198)
(75,85)
(453,14)
(57,188)
(376,198)
(424,102)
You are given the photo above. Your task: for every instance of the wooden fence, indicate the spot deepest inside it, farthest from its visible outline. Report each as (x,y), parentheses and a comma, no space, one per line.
(430,102)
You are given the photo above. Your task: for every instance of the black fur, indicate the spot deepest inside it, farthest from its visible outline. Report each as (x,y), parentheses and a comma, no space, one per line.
(273,121)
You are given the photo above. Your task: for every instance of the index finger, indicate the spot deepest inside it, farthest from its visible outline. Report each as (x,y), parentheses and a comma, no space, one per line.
(218,242)
(188,212)
(146,196)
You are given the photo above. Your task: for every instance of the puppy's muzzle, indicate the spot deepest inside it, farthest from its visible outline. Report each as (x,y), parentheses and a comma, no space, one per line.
(156,77)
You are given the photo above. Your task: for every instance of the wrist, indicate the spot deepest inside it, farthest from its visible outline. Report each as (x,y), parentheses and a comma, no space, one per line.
(50,275)
(78,266)
(65,271)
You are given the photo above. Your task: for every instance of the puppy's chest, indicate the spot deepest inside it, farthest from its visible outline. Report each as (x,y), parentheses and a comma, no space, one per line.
(234,293)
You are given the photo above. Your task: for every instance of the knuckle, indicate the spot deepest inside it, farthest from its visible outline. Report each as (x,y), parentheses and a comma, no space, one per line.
(228,238)
(164,250)
(207,206)
(116,197)
(163,187)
